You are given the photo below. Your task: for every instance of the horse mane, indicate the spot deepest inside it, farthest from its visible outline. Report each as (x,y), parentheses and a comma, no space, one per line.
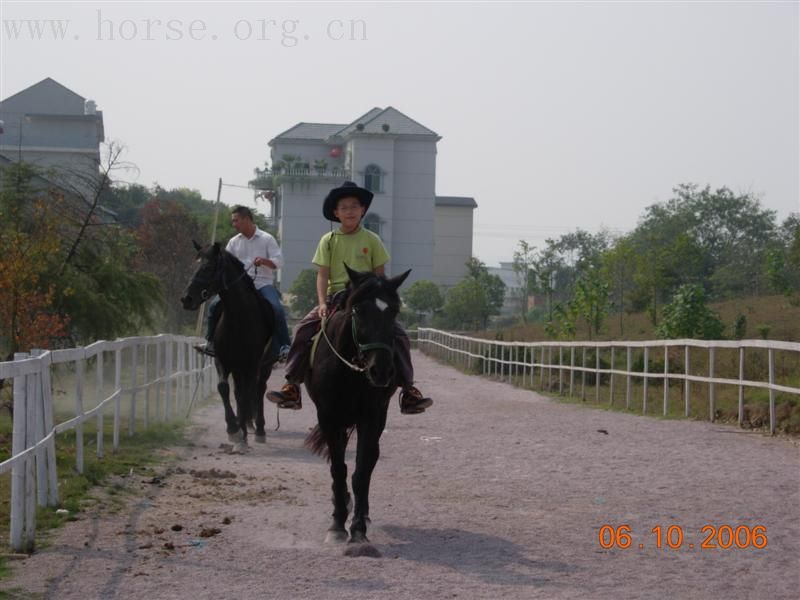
(239,266)
(250,286)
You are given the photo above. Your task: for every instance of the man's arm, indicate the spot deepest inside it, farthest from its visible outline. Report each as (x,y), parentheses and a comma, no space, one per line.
(274,258)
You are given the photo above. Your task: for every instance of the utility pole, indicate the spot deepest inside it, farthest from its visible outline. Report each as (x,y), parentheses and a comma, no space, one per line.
(202,310)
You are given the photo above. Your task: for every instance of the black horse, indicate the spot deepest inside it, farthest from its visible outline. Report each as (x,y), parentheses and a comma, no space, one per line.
(351,381)
(241,339)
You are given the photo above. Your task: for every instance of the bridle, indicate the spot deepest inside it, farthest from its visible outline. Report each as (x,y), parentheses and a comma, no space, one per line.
(360,348)
(219,274)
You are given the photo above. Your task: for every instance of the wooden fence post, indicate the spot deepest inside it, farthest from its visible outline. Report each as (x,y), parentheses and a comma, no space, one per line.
(711,397)
(741,387)
(134,379)
(644,380)
(666,380)
(99,396)
(611,379)
(628,378)
(20,469)
(771,391)
(687,385)
(117,390)
(79,376)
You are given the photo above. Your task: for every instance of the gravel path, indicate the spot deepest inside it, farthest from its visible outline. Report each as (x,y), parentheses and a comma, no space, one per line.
(495,492)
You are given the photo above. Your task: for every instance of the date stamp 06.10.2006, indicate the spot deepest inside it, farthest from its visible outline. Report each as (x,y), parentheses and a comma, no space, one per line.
(710,537)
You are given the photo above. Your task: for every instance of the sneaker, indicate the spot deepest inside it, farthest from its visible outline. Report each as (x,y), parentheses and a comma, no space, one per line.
(283,354)
(288,397)
(207,349)
(412,401)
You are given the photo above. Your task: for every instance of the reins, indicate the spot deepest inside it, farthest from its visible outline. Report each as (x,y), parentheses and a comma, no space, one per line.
(360,348)
(221,271)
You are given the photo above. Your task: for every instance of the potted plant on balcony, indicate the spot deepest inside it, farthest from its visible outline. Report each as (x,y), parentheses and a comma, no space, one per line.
(320,166)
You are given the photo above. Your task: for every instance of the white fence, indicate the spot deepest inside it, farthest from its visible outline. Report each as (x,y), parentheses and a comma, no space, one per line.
(163,376)
(519,362)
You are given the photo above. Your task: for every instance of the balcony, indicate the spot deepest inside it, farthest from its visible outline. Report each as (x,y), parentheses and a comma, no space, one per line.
(304,172)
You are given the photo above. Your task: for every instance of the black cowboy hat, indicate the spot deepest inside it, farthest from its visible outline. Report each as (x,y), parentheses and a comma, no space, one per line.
(347,190)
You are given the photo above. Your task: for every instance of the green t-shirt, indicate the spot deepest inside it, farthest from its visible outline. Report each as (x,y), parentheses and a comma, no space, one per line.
(362,250)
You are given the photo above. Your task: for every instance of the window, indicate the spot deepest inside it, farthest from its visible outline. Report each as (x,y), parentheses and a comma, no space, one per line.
(372,178)
(372,221)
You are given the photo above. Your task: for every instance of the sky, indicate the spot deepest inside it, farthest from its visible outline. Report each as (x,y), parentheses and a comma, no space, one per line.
(554,116)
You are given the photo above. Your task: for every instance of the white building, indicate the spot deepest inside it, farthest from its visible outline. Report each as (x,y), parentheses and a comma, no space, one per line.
(393,156)
(513,300)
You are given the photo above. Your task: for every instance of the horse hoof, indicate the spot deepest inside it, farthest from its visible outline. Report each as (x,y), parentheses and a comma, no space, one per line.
(235,438)
(358,537)
(240,448)
(336,536)
(261,439)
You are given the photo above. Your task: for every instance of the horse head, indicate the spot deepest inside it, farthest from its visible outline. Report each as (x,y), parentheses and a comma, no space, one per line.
(208,278)
(373,305)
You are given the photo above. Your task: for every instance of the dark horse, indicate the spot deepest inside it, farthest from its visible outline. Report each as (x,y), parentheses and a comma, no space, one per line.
(351,380)
(241,338)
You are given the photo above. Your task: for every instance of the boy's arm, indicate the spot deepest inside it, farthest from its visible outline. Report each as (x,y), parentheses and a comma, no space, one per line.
(322,290)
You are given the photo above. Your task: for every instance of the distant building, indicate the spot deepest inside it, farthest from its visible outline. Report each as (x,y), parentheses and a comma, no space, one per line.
(393,156)
(55,129)
(512,302)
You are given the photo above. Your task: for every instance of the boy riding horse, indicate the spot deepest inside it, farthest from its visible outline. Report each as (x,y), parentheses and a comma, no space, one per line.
(361,250)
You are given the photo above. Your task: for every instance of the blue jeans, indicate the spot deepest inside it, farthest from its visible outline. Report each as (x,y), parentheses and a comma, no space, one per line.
(271,295)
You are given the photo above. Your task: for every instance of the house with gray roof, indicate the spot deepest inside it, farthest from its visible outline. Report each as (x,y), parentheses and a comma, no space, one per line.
(390,154)
(55,129)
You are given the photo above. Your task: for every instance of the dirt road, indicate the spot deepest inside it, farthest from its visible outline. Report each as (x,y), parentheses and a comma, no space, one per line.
(493,493)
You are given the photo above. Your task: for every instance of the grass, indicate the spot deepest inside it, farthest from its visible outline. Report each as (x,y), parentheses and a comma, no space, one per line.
(777,313)
(139,453)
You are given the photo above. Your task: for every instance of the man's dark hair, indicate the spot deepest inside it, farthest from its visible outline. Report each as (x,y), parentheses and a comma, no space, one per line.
(243,211)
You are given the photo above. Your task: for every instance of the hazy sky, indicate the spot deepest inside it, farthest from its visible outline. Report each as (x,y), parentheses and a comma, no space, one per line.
(553,116)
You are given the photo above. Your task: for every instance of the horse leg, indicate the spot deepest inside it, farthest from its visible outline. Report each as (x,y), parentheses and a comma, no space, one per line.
(337,442)
(261,434)
(367,453)
(242,390)
(224,389)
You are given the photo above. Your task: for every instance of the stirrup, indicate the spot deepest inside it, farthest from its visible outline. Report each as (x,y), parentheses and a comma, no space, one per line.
(283,400)
(412,403)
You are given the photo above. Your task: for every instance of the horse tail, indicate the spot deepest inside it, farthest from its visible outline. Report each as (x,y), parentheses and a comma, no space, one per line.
(318,445)
(315,442)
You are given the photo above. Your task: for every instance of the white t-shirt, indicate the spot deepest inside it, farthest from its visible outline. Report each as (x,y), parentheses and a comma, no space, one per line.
(261,245)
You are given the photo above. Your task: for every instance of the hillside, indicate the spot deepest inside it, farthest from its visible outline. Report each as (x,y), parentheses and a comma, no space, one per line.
(775,315)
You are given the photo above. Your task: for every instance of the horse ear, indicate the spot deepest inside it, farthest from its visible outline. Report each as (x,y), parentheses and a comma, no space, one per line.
(197,246)
(396,282)
(356,277)
(215,248)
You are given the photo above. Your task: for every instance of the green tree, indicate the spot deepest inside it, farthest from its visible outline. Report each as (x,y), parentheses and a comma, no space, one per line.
(618,268)
(493,287)
(712,237)
(687,316)
(466,306)
(590,301)
(165,240)
(304,291)
(30,242)
(424,298)
(523,266)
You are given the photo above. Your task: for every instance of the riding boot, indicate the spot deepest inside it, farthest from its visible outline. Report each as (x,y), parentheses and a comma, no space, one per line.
(289,397)
(412,401)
